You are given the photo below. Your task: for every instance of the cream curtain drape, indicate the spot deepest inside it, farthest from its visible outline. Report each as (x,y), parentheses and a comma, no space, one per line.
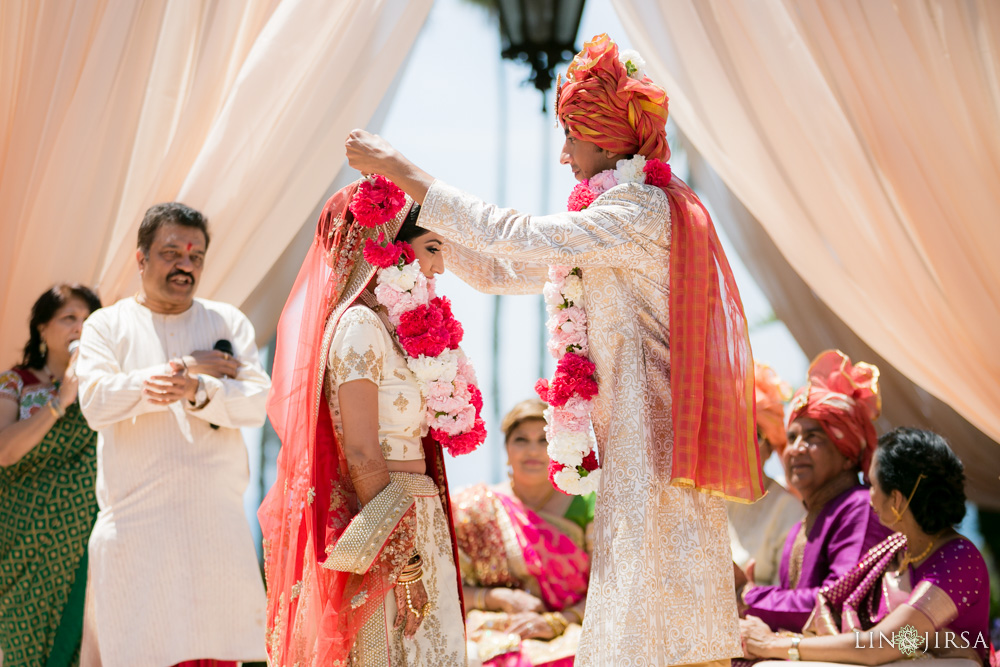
(862,134)
(239,109)
(816,328)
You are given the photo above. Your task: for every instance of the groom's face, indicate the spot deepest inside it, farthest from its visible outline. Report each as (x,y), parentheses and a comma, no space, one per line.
(586,159)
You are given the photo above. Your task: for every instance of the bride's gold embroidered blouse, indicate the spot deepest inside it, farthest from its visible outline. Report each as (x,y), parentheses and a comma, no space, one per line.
(362,349)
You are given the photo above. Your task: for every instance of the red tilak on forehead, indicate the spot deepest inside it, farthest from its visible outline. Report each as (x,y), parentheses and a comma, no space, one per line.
(190,245)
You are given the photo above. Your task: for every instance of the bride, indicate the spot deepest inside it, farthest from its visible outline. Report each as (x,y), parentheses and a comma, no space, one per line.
(369,387)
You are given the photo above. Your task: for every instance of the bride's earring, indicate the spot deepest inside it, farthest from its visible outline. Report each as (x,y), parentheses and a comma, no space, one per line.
(43,349)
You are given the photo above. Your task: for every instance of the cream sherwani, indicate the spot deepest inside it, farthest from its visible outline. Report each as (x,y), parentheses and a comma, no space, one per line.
(661,586)
(173,572)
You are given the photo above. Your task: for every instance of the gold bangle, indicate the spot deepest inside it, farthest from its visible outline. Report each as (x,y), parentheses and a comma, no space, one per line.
(410,569)
(479,600)
(556,621)
(793,650)
(571,610)
(410,580)
(52,410)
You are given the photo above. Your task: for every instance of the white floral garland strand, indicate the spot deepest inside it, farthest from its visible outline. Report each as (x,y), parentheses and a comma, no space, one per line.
(568,427)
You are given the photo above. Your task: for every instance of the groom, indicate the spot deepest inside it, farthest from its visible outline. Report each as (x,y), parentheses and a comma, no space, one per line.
(673,417)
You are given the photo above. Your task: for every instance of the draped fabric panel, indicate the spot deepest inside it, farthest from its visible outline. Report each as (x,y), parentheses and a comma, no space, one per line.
(816,328)
(239,109)
(862,134)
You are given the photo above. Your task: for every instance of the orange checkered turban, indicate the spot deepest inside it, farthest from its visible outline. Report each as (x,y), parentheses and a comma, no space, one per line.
(845,399)
(771,392)
(602,104)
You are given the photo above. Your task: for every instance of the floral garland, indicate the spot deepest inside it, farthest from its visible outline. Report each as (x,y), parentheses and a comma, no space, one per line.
(573,466)
(426,329)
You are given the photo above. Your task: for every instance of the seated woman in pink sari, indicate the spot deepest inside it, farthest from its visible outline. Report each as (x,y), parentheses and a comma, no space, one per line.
(524,552)
(926,582)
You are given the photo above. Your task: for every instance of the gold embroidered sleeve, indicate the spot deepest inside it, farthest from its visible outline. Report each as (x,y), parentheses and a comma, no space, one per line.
(620,228)
(358,349)
(493,275)
(371,532)
(934,603)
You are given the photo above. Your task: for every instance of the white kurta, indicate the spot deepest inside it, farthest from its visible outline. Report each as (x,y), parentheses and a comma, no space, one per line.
(661,585)
(173,572)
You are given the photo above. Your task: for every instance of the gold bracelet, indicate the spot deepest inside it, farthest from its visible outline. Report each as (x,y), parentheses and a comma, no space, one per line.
(409,569)
(409,602)
(571,610)
(479,599)
(52,410)
(556,621)
(410,580)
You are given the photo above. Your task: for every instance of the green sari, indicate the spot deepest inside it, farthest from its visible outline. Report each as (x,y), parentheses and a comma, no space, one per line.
(47,509)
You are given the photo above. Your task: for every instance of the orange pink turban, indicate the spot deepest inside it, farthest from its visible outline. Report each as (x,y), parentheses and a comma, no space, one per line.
(771,392)
(845,399)
(601,103)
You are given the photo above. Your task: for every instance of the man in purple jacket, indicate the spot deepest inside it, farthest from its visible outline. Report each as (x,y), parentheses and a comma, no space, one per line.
(831,439)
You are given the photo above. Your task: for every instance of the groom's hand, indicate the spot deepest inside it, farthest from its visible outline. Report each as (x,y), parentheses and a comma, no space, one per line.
(370,153)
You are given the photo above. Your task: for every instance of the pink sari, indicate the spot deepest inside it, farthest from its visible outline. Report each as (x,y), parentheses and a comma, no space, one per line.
(503,543)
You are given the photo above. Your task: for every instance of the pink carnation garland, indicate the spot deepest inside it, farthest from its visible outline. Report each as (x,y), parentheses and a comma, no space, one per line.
(425,327)
(573,466)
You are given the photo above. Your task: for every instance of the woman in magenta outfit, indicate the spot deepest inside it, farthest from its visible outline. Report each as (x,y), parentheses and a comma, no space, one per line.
(926,578)
(831,439)
(524,552)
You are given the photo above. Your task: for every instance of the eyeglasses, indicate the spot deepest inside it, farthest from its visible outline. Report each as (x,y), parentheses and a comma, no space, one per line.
(807,441)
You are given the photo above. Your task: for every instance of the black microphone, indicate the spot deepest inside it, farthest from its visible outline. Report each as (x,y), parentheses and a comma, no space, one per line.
(226,346)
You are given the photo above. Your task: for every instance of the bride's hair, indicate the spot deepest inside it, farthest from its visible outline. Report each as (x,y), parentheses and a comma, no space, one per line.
(410,229)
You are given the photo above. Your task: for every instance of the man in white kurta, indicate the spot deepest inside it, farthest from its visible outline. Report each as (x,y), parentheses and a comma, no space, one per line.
(173,572)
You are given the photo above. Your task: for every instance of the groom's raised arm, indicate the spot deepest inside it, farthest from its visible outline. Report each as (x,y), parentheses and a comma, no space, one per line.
(492,275)
(615,230)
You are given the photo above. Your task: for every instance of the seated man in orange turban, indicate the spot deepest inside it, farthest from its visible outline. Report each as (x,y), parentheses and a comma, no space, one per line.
(652,348)
(758,531)
(833,438)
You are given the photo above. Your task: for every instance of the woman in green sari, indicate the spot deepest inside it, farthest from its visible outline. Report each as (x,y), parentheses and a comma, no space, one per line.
(48,466)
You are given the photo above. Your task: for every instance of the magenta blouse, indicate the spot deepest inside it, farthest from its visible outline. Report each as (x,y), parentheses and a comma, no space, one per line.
(844,531)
